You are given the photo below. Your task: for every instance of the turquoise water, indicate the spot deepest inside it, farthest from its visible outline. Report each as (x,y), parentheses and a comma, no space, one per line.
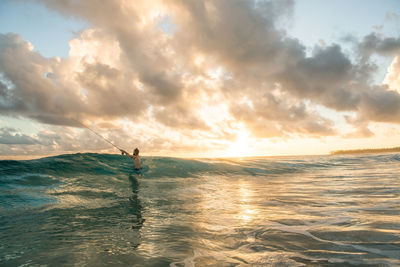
(92,210)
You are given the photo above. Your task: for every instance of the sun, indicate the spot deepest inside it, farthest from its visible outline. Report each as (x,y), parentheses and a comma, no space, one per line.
(241,147)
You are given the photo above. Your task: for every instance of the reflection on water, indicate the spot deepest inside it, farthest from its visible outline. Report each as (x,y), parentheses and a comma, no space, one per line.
(135,202)
(323,217)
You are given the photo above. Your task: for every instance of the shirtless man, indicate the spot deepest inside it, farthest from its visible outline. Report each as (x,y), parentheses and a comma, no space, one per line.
(135,157)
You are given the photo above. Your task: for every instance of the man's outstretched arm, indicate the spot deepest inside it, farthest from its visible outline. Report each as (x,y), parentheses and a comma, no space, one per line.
(123,152)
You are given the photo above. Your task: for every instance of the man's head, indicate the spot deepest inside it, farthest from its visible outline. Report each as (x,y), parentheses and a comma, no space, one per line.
(136,151)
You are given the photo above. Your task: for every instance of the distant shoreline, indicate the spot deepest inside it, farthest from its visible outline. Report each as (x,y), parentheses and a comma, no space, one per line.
(366,151)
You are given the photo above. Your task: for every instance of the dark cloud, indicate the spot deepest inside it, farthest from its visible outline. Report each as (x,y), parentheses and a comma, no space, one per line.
(56,120)
(382,105)
(11,136)
(326,77)
(374,43)
(270,116)
(178,117)
(240,34)
(163,88)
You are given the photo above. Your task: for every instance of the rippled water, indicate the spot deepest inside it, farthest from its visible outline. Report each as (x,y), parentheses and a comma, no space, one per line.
(92,210)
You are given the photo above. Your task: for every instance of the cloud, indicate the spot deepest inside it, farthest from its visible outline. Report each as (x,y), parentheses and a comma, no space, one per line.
(51,89)
(392,78)
(10,136)
(381,105)
(27,90)
(327,77)
(361,127)
(226,63)
(374,43)
(236,32)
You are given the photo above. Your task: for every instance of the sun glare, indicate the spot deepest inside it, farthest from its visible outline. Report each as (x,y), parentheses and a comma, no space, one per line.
(241,147)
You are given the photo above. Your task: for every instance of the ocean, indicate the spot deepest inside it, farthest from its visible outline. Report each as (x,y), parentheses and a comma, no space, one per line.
(94,210)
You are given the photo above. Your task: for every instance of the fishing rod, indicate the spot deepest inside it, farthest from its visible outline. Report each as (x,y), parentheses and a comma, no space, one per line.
(108,141)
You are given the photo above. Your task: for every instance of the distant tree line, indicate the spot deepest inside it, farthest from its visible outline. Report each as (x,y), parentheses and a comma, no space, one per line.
(368,150)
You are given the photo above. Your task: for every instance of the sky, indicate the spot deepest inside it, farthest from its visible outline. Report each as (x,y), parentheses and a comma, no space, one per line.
(189,78)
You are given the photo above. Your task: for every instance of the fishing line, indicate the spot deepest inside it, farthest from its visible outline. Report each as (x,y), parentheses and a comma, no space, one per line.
(97,134)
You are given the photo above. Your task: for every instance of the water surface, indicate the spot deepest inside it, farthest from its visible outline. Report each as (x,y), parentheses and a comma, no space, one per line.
(92,210)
